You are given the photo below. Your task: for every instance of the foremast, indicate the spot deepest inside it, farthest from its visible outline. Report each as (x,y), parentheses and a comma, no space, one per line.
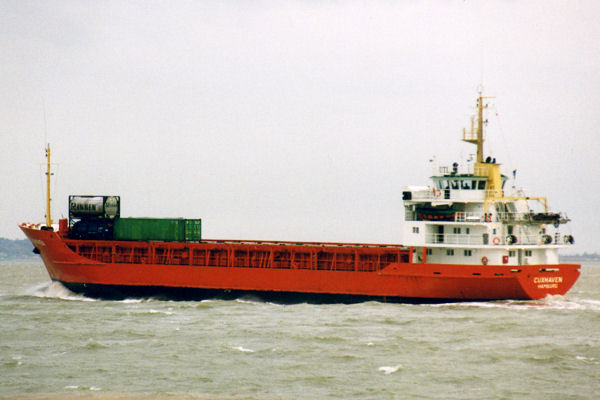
(48,198)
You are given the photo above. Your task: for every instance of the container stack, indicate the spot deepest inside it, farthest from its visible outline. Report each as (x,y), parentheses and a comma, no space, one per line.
(158,229)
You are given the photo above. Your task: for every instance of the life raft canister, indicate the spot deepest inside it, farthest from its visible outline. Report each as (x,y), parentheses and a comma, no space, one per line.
(569,239)
(546,239)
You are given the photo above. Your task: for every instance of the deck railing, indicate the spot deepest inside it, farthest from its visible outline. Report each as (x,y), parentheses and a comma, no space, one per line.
(462,239)
(469,217)
(440,238)
(341,257)
(504,217)
(535,218)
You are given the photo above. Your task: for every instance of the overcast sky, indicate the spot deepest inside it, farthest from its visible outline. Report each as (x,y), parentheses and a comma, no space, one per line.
(299,120)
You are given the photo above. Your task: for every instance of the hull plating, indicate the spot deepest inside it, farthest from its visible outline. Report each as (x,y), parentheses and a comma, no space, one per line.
(394,281)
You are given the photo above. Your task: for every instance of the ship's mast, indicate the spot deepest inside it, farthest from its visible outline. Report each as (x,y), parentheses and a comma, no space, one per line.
(477,137)
(48,199)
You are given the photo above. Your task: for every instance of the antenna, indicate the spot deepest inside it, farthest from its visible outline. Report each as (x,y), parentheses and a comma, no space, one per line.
(45,123)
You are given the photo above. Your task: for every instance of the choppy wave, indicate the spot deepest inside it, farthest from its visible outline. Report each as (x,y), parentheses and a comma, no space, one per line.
(390,369)
(82,388)
(243,349)
(249,299)
(165,312)
(92,344)
(547,303)
(588,360)
(55,290)
(142,349)
(134,301)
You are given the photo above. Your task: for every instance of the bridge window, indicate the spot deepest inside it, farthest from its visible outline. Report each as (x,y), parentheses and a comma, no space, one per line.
(450,252)
(468,253)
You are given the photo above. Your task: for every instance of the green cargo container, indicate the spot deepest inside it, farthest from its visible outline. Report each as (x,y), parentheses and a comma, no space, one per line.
(193,230)
(158,229)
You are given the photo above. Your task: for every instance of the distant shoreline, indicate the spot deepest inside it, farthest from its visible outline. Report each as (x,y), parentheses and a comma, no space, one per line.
(16,249)
(579,258)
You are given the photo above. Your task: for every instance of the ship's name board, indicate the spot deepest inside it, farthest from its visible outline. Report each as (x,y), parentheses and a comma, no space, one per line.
(85,207)
(547,282)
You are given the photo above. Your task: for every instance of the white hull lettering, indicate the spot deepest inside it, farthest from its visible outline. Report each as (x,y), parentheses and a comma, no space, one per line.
(547,282)
(548,279)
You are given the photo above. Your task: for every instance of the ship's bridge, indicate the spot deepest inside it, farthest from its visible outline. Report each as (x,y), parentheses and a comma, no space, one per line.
(455,187)
(465,187)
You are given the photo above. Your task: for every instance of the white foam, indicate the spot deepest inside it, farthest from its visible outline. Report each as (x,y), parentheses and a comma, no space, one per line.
(390,370)
(592,304)
(243,349)
(562,303)
(75,387)
(132,301)
(153,311)
(556,302)
(56,290)
(17,359)
(249,300)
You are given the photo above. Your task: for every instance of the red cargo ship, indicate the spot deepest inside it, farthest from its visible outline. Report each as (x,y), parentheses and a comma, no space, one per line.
(466,241)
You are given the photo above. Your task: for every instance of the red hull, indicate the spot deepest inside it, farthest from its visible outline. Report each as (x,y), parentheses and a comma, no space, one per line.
(383,272)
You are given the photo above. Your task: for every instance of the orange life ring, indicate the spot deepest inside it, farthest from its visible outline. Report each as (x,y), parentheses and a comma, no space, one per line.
(496,240)
(437,192)
(484,260)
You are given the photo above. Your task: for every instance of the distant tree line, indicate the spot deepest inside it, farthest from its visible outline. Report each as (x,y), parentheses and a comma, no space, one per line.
(584,256)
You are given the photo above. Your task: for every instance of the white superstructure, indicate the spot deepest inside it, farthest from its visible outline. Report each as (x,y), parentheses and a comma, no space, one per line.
(467,218)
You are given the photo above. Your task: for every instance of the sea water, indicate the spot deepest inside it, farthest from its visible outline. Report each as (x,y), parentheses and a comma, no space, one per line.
(56,344)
